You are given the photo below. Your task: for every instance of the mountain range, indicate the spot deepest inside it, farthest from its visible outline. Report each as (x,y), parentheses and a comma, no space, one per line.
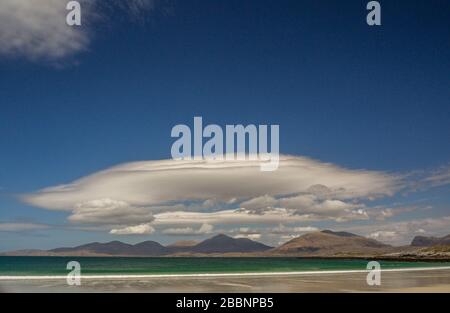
(218,244)
(324,243)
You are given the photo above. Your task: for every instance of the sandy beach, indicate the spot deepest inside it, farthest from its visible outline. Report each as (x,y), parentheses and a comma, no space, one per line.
(430,280)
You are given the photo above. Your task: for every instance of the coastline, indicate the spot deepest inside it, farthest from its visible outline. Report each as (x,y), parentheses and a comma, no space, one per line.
(250,256)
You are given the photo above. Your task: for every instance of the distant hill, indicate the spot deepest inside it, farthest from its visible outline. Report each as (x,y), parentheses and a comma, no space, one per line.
(225,244)
(182,246)
(339,233)
(422,241)
(116,248)
(183,243)
(113,248)
(150,248)
(329,243)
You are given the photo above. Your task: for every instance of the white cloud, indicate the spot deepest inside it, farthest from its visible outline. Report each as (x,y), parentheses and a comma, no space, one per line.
(249,236)
(272,236)
(401,233)
(309,205)
(151,183)
(189,231)
(143,229)
(283,230)
(241,216)
(108,211)
(246,232)
(37,29)
(384,235)
(260,203)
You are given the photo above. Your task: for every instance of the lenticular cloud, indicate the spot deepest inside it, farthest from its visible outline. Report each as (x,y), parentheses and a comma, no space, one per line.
(156,183)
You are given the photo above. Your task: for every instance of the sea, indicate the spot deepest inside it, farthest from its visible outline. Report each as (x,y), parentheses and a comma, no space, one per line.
(53,266)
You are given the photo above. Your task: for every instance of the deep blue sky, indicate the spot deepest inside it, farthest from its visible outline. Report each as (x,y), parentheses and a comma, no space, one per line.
(341,91)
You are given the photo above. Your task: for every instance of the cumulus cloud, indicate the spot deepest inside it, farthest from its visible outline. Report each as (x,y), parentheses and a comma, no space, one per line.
(143,229)
(205,191)
(384,235)
(309,205)
(37,29)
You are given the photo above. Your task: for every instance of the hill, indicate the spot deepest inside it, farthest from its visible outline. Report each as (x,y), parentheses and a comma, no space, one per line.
(225,244)
(328,243)
(422,241)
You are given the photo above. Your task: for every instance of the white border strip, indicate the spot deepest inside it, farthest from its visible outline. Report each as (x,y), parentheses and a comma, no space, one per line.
(208,275)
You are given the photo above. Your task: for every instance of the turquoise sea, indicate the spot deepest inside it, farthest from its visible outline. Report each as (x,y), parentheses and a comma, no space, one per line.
(28,266)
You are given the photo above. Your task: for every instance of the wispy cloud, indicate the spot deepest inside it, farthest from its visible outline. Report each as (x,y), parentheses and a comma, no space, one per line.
(20,227)
(37,29)
(420,180)
(439,177)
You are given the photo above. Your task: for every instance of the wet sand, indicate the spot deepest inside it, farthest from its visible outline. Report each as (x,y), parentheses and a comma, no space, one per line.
(410,281)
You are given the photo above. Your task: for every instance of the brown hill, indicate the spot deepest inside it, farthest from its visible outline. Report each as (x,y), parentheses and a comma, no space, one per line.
(328,243)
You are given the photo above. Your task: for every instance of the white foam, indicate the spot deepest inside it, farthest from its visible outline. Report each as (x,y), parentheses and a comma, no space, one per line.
(208,275)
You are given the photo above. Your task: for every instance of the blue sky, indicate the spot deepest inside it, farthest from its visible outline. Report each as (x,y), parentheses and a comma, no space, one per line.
(359,97)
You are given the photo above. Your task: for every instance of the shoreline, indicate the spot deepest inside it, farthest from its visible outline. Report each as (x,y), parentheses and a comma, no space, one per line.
(212,275)
(411,259)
